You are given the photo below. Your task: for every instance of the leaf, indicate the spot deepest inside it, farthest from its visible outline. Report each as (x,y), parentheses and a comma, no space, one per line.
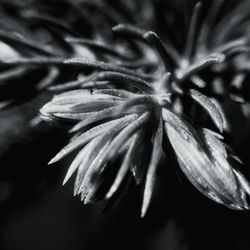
(129,30)
(94,117)
(92,149)
(79,82)
(79,95)
(79,159)
(179,124)
(125,133)
(154,161)
(87,184)
(95,105)
(86,63)
(78,102)
(136,100)
(90,182)
(115,92)
(212,176)
(139,168)
(130,80)
(50,108)
(217,148)
(200,65)
(97,46)
(163,51)
(49,21)
(192,32)
(109,151)
(124,167)
(12,39)
(12,74)
(49,79)
(71,116)
(243,181)
(213,111)
(198,81)
(114,125)
(34,61)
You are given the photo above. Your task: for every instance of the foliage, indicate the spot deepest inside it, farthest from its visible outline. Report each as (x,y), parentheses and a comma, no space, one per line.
(132,97)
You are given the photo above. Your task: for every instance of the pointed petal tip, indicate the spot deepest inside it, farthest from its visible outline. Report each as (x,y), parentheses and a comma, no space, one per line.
(87,200)
(72,130)
(111,192)
(76,190)
(246,207)
(65,180)
(143,212)
(83,197)
(53,160)
(144,208)
(75,193)
(108,195)
(239,207)
(149,35)
(221,58)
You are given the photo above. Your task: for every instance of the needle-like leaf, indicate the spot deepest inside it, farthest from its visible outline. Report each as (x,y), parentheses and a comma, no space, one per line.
(114,125)
(124,167)
(210,108)
(151,172)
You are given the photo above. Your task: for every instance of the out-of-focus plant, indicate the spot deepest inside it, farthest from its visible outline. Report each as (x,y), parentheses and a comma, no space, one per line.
(133,98)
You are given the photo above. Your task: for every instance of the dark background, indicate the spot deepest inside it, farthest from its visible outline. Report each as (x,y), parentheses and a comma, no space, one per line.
(37,212)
